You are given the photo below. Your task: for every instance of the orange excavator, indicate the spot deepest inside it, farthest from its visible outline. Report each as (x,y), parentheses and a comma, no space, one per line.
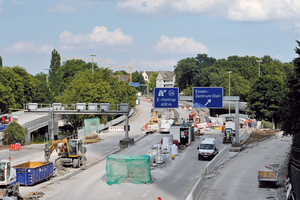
(71,152)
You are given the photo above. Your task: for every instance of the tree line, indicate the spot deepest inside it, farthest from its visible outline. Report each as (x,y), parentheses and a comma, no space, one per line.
(68,82)
(270,87)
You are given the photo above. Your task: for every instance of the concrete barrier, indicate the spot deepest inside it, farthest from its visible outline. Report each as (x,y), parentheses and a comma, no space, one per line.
(209,167)
(245,134)
(196,190)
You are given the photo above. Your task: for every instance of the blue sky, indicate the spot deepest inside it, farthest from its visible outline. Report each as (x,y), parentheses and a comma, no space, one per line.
(150,34)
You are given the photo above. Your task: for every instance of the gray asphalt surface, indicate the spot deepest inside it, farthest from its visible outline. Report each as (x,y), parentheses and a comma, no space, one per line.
(237,179)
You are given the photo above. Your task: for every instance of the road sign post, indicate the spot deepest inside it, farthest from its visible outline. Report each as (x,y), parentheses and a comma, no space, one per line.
(208,97)
(166,97)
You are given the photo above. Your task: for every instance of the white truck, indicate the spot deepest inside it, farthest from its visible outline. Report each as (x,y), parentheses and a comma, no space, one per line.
(8,180)
(165,127)
(208,149)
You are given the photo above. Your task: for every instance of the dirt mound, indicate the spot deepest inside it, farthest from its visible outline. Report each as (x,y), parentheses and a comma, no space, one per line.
(4,147)
(257,135)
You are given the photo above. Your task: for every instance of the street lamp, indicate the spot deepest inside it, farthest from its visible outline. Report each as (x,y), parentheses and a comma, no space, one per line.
(92,62)
(259,61)
(229,72)
(47,74)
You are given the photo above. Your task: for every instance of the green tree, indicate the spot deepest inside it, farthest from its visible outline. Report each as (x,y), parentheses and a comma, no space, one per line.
(27,84)
(14,133)
(188,91)
(264,98)
(291,103)
(152,81)
(121,72)
(70,68)
(138,78)
(55,76)
(1,62)
(185,72)
(7,99)
(20,82)
(42,93)
(102,87)
(201,79)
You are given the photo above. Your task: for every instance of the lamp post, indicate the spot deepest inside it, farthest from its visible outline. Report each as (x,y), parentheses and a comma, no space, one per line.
(259,61)
(47,74)
(92,62)
(229,72)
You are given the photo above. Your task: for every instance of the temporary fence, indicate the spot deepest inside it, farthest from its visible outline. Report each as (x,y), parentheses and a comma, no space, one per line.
(15,147)
(91,126)
(133,168)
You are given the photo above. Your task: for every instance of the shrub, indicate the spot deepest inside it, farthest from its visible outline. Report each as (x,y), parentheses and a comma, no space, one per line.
(14,133)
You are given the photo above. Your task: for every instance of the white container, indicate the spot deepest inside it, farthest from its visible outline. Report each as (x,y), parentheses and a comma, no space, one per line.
(174,150)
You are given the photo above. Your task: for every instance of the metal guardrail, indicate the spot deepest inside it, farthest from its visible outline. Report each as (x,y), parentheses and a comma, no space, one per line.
(115,121)
(40,122)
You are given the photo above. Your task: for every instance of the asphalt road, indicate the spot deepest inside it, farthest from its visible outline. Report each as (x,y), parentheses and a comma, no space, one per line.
(238,178)
(173,181)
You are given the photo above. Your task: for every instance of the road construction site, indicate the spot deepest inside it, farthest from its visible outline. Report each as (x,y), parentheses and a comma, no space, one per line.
(172,179)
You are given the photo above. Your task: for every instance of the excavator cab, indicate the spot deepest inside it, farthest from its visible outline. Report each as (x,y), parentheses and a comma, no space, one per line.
(75,147)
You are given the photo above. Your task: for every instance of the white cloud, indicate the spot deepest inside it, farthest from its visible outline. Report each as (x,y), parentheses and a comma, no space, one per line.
(98,37)
(63,8)
(164,64)
(233,10)
(263,10)
(279,56)
(179,45)
(29,47)
(150,7)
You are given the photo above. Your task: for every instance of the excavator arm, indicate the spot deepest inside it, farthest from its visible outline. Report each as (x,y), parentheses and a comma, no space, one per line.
(62,145)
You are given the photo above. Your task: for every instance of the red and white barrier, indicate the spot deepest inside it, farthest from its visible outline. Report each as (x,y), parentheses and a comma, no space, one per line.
(15,147)
(116,128)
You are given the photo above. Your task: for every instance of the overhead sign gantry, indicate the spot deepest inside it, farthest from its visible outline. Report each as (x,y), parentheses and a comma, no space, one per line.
(83,109)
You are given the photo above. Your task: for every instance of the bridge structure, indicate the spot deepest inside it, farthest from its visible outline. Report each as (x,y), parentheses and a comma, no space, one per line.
(36,116)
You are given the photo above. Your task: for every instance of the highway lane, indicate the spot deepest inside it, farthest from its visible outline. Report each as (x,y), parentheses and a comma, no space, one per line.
(238,179)
(174,181)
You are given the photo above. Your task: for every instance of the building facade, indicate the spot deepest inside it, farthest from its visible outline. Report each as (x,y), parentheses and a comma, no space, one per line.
(165,79)
(146,75)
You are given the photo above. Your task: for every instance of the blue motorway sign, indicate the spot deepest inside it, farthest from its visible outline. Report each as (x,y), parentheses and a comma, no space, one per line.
(135,84)
(208,97)
(166,97)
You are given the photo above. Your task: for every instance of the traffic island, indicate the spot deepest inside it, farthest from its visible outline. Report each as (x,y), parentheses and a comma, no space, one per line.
(126,142)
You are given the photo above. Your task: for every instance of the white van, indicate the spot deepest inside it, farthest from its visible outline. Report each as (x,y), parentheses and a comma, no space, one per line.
(209,148)
(165,127)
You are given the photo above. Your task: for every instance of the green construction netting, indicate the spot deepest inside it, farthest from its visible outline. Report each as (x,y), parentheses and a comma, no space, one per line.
(91,126)
(128,167)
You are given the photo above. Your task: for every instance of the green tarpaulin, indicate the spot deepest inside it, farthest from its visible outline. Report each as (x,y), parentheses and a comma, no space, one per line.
(135,168)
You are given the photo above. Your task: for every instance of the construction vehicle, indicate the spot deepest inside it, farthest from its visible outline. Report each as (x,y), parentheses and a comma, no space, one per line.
(269,178)
(71,153)
(228,136)
(8,180)
(208,148)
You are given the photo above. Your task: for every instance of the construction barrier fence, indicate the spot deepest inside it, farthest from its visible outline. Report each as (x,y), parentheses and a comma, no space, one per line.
(91,126)
(15,147)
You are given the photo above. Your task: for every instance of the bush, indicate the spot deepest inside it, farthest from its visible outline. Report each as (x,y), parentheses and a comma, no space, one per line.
(267,124)
(14,133)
